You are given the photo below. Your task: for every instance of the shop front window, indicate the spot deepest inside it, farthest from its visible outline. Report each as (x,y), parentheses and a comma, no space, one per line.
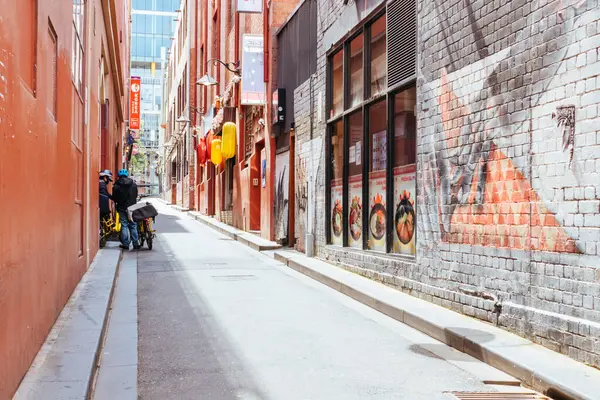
(405,172)
(356,71)
(355,228)
(378,57)
(377,176)
(337,187)
(337,68)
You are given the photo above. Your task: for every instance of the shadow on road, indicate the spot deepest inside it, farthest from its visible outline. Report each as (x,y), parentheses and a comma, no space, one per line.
(183,352)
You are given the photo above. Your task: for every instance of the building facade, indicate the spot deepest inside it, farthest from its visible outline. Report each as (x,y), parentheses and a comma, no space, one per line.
(240,190)
(451,152)
(63,76)
(152,25)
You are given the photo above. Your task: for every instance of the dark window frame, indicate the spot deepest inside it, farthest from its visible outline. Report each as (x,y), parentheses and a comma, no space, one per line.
(388,96)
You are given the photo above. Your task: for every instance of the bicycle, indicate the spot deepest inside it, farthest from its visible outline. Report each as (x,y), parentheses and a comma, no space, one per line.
(109,225)
(145,232)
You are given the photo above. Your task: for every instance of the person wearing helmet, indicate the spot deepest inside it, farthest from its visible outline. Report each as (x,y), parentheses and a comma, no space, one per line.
(124,195)
(105,196)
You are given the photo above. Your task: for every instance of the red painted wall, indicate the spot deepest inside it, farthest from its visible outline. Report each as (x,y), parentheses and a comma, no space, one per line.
(46,238)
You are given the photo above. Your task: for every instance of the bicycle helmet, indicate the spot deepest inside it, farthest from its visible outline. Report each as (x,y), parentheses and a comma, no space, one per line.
(123,172)
(106,173)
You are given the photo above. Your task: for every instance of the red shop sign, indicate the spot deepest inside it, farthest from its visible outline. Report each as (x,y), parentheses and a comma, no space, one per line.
(134,103)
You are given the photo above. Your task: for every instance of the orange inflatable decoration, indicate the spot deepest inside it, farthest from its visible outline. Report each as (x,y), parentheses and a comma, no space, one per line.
(201,151)
(209,139)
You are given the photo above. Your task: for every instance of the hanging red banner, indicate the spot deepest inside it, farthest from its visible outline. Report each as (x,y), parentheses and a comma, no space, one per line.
(134,103)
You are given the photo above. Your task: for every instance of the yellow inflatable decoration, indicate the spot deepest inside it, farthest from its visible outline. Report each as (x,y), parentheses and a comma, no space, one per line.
(228,145)
(215,151)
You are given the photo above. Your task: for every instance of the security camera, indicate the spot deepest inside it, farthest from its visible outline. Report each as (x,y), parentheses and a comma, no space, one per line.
(261,122)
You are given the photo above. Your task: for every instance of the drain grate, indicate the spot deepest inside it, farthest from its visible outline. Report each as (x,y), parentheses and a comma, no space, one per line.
(496,396)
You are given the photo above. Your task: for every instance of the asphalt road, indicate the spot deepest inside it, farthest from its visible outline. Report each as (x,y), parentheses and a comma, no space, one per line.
(220,321)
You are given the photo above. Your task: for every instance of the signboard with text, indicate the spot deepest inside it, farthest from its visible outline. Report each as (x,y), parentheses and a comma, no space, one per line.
(253,80)
(134,102)
(249,6)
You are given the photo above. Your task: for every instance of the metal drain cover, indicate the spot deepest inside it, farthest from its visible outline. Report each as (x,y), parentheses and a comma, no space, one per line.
(496,396)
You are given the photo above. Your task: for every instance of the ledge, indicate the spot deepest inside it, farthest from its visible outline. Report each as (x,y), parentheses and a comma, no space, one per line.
(534,365)
(65,365)
(255,242)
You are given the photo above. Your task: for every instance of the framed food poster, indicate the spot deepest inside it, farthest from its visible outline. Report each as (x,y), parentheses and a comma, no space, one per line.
(377,211)
(355,211)
(405,219)
(337,216)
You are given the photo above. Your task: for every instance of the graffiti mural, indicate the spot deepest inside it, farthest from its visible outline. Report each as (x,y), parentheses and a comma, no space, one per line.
(498,108)
(282,196)
(301,200)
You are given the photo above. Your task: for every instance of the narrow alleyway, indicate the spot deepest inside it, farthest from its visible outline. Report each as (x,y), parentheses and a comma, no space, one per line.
(220,321)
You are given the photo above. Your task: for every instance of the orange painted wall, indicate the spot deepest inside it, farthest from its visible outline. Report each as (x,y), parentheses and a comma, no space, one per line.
(46,238)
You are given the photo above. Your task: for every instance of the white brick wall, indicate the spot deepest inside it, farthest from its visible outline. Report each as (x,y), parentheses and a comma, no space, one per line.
(532,58)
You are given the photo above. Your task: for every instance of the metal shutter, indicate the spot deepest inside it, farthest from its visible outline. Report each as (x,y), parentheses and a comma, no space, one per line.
(401,40)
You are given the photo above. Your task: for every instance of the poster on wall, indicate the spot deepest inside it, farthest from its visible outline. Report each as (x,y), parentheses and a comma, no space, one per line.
(405,219)
(355,211)
(253,82)
(377,211)
(379,151)
(282,193)
(337,218)
(264,172)
(249,6)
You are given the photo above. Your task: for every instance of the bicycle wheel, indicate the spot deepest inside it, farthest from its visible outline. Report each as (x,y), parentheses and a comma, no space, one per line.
(142,233)
(102,238)
(148,235)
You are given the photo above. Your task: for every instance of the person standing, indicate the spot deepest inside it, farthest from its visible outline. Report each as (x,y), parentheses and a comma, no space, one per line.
(124,195)
(105,196)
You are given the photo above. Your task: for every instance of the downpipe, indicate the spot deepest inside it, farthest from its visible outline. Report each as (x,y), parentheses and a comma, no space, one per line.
(311,209)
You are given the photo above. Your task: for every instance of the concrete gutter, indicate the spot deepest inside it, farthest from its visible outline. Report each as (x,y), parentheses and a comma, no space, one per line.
(66,364)
(254,242)
(554,374)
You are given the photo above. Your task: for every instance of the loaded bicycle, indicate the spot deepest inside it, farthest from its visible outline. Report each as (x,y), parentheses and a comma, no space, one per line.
(144,214)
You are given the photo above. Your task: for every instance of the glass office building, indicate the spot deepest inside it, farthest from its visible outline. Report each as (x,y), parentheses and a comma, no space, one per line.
(152,26)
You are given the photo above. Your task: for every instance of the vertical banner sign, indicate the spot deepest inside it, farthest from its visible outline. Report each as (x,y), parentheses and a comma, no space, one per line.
(134,103)
(249,6)
(253,82)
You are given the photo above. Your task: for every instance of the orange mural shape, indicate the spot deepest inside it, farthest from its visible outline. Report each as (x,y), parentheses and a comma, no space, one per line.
(512,214)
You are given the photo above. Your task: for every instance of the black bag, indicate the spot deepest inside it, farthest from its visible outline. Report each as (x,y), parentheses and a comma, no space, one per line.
(141,211)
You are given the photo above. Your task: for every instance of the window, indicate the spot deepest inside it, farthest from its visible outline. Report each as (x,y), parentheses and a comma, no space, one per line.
(371,162)
(54,69)
(356,71)
(28,41)
(405,134)
(337,95)
(355,203)
(378,57)
(377,176)
(337,166)
(77,56)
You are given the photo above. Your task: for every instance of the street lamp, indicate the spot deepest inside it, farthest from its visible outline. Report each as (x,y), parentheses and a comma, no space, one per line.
(208,80)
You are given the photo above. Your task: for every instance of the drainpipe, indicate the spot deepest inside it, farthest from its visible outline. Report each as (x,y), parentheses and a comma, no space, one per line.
(311,209)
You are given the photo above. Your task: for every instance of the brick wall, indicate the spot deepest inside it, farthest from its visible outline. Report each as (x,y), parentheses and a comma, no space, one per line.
(508,155)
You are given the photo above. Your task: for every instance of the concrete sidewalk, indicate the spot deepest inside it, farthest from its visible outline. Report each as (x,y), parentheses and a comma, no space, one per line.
(255,242)
(552,373)
(65,365)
